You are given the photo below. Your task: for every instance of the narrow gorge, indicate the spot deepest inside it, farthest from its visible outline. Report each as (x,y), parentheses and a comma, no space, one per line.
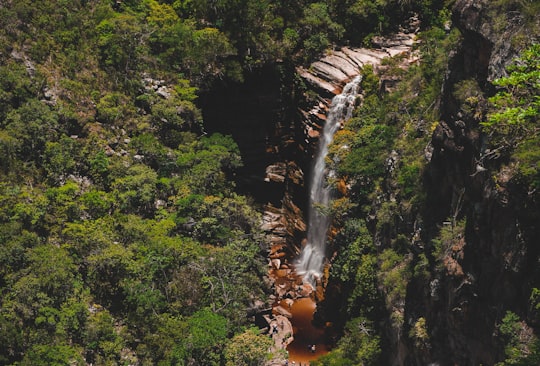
(440,324)
(294,188)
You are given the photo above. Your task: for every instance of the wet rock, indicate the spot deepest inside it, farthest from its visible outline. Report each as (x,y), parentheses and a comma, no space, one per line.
(275,263)
(282,311)
(276,172)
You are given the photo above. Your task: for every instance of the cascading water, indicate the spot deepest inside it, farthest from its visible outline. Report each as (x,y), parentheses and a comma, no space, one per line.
(311,260)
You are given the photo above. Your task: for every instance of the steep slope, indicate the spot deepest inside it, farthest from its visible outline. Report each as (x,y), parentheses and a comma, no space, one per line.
(491,264)
(436,259)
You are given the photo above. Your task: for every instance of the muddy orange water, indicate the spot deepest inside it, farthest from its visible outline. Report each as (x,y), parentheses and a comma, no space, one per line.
(305,333)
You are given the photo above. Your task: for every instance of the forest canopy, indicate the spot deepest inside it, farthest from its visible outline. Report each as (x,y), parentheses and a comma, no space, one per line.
(123,237)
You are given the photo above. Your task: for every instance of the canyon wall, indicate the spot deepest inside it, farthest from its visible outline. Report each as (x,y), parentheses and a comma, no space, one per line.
(493,267)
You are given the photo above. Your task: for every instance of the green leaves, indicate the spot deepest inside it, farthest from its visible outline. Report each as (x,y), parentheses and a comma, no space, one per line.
(513,124)
(32,125)
(207,330)
(121,42)
(319,30)
(516,107)
(136,190)
(522,347)
(360,345)
(249,348)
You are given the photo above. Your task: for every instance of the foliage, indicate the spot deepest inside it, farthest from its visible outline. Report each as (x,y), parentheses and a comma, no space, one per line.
(512,124)
(120,41)
(319,29)
(249,348)
(394,275)
(31,125)
(207,335)
(450,235)
(123,238)
(359,346)
(419,333)
(355,269)
(521,346)
(52,355)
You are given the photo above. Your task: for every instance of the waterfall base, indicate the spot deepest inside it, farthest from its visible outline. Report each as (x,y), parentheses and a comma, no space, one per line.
(309,341)
(309,265)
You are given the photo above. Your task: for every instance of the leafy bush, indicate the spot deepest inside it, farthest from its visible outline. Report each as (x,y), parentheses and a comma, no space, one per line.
(360,345)
(521,346)
(248,348)
(512,124)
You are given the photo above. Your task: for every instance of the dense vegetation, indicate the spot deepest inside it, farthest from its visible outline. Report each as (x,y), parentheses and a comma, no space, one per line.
(122,237)
(374,264)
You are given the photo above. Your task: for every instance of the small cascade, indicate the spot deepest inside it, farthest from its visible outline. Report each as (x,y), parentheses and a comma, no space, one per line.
(310,263)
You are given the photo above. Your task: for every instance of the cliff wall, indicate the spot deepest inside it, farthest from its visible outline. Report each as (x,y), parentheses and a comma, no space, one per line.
(493,267)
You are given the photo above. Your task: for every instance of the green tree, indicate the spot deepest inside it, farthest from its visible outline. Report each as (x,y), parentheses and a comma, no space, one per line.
(230,275)
(512,124)
(135,190)
(206,337)
(205,162)
(360,345)
(107,269)
(41,284)
(60,158)
(99,167)
(521,348)
(102,339)
(318,29)
(32,125)
(249,348)
(121,43)
(53,355)
(16,87)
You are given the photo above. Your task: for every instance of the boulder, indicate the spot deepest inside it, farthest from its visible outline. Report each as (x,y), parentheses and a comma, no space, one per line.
(282,311)
(322,86)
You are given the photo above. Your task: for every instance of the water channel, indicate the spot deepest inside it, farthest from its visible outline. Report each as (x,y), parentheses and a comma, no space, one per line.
(310,341)
(310,264)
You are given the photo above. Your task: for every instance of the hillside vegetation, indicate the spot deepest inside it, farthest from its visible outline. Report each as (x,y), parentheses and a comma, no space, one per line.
(123,239)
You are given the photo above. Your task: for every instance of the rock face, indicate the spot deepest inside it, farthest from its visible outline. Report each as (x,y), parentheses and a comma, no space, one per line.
(482,28)
(332,72)
(327,76)
(283,221)
(278,151)
(491,268)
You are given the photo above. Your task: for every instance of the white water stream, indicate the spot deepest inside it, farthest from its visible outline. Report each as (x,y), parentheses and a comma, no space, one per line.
(310,263)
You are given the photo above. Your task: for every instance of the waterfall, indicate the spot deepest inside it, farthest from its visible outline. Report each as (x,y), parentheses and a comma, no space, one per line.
(311,260)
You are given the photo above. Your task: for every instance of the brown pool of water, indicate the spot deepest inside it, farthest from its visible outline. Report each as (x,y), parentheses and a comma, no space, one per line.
(305,333)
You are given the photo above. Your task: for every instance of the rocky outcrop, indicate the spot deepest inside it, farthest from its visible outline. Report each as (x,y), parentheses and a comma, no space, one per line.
(489,268)
(327,76)
(284,224)
(490,33)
